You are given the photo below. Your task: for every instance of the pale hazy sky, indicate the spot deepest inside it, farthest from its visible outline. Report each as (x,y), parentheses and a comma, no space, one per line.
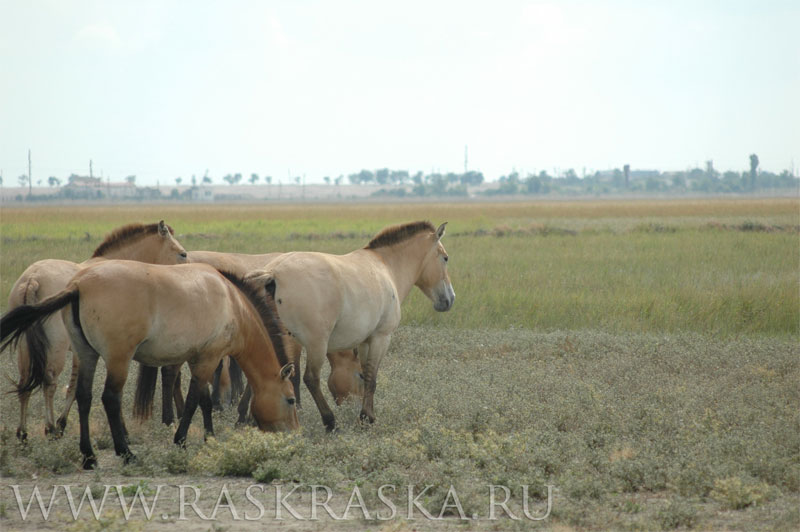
(165,89)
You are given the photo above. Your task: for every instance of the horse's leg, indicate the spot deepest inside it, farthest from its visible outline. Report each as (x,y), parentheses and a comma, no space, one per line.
(295,351)
(56,356)
(167,383)
(177,392)
(117,374)
(315,355)
(376,348)
(192,400)
(215,386)
(205,407)
(23,363)
(244,405)
(83,394)
(70,398)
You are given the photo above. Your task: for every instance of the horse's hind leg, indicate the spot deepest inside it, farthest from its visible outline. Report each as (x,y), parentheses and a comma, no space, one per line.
(61,423)
(83,394)
(216,393)
(168,374)
(23,363)
(117,374)
(177,392)
(55,365)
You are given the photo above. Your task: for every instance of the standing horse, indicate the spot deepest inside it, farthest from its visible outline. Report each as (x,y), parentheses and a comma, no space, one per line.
(165,315)
(333,302)
(153,243)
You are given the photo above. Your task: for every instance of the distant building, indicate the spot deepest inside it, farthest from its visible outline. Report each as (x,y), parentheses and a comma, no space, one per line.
(201,193)
(83,187)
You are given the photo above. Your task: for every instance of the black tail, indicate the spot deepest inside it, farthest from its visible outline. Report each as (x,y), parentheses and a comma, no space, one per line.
(237,380)
(145,392)
(28,320)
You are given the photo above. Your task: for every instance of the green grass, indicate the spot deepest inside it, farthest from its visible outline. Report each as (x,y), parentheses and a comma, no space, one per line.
(641,357)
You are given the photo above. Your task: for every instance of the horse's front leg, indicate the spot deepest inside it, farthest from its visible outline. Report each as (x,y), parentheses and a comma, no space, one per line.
(198,395)
(315,355)
(169,376)
(377,346)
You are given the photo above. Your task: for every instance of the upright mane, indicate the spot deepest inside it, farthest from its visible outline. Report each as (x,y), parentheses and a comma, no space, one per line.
(264,307)
(125,235)
(398,233)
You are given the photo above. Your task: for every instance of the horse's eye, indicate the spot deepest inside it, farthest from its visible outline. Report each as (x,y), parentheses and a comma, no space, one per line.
(446,258)
(183,254)
(291,400)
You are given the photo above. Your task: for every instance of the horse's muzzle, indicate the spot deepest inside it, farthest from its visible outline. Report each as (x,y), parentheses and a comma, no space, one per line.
(444,301)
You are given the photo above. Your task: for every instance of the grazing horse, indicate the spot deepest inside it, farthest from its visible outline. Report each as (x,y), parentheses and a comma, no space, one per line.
(165,315)
(242,264)
(153,243)
(346,379)
(332,302)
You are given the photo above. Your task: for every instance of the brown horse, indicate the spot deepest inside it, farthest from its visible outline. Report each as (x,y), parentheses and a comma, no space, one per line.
(153,243)
(332,302)
(165,315)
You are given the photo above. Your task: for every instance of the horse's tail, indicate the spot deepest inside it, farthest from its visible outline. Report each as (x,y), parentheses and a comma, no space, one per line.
(145,392)
(28,319)
(237,381)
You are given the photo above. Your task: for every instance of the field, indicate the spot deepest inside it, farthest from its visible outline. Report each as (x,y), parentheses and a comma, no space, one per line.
(639,357)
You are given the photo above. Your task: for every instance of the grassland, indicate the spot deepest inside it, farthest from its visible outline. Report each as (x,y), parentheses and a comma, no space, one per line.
(639,356)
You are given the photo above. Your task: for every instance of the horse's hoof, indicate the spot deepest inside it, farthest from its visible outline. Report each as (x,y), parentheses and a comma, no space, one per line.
(364,417)
(180,442)
(89,462)
(22,435)
(61,424)
(208,435)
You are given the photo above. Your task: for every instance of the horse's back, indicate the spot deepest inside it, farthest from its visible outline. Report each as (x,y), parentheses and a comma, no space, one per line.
(236,263)
(167,311)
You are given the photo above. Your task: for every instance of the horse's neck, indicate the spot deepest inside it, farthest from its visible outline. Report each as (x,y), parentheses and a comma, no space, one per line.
(404,263)
(254,357)
(142,250)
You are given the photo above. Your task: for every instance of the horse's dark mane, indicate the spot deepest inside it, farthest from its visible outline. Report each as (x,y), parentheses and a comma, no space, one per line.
(123,235)
(399,233)
(265,308)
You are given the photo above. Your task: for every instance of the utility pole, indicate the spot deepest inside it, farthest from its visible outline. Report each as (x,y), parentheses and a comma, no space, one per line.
(90,169)
(30,177)
(465,158)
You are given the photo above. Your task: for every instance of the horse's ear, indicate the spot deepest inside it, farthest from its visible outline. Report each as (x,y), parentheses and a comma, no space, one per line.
(163,229)
(287,371)
(440,231)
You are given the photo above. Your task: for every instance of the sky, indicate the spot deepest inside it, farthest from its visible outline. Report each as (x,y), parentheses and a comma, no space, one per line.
(166,89)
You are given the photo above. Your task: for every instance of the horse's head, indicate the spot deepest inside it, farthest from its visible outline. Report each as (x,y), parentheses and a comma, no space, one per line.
(346,379)
(274,405)
(434,280)
(167,249)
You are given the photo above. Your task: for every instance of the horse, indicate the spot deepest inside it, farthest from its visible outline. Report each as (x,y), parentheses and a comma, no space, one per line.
(333,302)
(346,379)
(153,243)
(164,315)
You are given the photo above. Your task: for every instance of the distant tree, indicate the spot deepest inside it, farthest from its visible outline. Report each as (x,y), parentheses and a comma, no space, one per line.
(1,181)
(194,180)
(417,179)
(254,179)
(228,179)
(297,180)
(327,180)
(710,171)
(131,180)
(23,180)
(338,180)
(178,180)
(399,177)
(237,178)
(268,179)
(365,177)
(753,170)
(382,176)
(38,182)
(206,180)
(53,181)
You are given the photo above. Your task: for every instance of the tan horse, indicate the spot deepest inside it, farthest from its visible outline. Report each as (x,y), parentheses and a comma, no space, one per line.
(153,243)
(165,315)
(334,302)
(346,379)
